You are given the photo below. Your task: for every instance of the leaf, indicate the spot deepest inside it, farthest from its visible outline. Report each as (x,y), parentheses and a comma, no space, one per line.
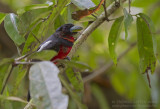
(127,21)
(75,79)
(83,4)
(31,41)
(44,75)
(100,97)
(2,16)
(73,94)
(3,72)
(6,61)
(10,24)
(152,31)
(114,36)
(28,18)
(76,64)
(43,55)
(145,46)
(77,15)
(48,26)
(32,7)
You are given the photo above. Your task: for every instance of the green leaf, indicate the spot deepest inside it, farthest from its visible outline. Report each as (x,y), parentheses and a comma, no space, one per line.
(6,61)
(2,16)
(127,21)
(100,97)
(83,4)
(21,72)
(152,31)
(114,36)
(10,24)
(48,26)
(43,55)
(73,94)
(28,18)
(3,72)
(76,64)
(145,46)
(75,79)
(32,7)
(44,75)
(31,41)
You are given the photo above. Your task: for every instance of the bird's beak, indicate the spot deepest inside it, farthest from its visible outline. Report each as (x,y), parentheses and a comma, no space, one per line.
(75,29)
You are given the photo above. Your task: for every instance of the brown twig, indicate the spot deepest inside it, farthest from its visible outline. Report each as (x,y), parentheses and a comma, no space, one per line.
(148,79)
(104,6)
(129,5)
(107,66)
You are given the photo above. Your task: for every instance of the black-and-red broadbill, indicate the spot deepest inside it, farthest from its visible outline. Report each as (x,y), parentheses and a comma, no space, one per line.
(61,41)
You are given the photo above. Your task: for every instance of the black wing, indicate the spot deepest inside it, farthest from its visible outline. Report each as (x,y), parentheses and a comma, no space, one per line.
(53,43)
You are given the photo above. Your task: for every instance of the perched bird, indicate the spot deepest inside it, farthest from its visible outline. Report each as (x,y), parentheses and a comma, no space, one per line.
(61,41)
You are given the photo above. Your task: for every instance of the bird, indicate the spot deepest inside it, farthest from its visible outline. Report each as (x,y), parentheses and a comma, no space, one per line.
(61,41)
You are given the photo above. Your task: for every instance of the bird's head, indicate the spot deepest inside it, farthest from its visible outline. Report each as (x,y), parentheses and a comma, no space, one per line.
(69,29)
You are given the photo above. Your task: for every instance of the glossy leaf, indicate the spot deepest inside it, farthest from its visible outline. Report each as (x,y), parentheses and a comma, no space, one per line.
(75,79)
(145,46)
(43,55)
(2,16)
(83,4)
(76,64)
(73,94)
(127,21)
(10,24)
(113,37)
(44,75)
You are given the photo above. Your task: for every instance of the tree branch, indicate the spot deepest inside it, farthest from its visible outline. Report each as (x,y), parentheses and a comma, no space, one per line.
(106,67)
(111,9)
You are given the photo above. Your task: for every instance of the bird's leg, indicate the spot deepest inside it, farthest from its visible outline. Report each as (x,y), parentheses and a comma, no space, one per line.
(68,58)
(106,15)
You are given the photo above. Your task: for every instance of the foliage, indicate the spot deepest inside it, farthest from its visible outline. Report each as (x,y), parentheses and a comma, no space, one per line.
(29,25)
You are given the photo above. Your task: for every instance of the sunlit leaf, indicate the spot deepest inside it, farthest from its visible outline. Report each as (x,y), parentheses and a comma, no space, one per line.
(44,75)
(76,64)
(127,21)
(10,24)
(75,79)
(2,16)
(73,94)
(83,4)
(43,55)
(113,37)
(145,46)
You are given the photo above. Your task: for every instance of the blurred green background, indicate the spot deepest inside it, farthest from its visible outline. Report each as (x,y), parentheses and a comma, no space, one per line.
(122,86)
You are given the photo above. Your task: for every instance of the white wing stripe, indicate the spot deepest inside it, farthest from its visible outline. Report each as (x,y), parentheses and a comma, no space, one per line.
(44,45)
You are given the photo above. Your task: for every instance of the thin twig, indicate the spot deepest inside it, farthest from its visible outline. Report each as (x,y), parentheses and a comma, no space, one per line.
(104,6)
(24,56)
(107,66)
(148,79)
(129,5)
(35,37)
(5,83)
(25,63)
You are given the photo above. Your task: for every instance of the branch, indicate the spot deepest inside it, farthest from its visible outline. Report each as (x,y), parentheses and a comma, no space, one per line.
(106,67)
(111,9)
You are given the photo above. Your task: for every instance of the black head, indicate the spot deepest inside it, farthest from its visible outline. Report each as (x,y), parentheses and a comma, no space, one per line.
(69,29)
